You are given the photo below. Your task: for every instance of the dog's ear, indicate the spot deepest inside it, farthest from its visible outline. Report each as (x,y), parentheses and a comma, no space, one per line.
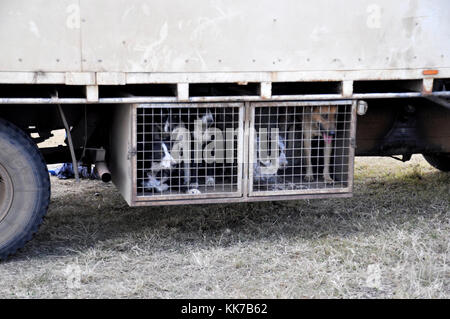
(326,112)
(158,131)
(325,109)
(333,109)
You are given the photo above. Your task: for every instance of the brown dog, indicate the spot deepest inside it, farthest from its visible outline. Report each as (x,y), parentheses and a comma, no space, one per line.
(319,121)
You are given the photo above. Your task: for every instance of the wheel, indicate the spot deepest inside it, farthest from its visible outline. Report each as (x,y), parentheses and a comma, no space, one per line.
(441,161)
(24,188)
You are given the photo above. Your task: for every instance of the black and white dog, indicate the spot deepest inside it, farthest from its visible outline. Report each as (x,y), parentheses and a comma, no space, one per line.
(271,132)
(172,154)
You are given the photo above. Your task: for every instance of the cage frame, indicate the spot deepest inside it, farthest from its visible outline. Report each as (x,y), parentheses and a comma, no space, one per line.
(181,197)
(244,192)
(308,191)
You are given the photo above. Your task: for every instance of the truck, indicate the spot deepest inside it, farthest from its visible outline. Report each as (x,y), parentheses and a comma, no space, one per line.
(212,101)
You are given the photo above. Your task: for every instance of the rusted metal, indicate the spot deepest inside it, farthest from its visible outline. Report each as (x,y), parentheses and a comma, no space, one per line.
(427,86)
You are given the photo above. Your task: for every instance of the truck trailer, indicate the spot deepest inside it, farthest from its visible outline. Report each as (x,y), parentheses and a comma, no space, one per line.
(212,101)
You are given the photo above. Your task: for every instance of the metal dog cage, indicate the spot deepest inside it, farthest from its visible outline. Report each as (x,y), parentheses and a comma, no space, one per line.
(301,148)
(186,151)
(229,152)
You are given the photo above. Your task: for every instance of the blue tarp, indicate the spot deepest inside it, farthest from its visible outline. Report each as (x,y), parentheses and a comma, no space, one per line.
(66,172)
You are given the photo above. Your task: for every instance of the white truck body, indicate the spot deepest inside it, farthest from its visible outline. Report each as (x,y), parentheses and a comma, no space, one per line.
(87,42)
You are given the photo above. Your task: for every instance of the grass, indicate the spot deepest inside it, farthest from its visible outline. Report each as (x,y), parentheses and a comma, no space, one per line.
(389,241)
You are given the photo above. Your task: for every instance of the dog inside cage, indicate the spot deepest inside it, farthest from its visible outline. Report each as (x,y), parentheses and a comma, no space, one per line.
(199,150)
(300,147)
(190,150)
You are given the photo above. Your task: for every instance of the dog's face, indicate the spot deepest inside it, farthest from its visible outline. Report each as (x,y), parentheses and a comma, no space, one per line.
(207,118)
(163,131)
(325,117)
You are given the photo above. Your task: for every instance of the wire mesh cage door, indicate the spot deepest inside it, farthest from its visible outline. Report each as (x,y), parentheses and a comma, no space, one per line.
(301,148)
(187,151)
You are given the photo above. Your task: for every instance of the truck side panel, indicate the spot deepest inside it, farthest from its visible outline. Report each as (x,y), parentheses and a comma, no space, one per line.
(40,35)
(223,36)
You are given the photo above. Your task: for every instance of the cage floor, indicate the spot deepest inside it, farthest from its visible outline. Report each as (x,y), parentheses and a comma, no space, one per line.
(226,189)
(296,183)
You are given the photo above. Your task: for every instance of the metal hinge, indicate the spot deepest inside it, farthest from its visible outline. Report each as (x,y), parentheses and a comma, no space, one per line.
(131,152)
(353,142)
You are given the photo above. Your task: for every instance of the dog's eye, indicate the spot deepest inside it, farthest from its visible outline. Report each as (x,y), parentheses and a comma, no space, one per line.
(325,116)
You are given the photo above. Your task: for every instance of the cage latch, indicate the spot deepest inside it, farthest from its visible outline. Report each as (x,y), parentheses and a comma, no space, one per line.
(131,152)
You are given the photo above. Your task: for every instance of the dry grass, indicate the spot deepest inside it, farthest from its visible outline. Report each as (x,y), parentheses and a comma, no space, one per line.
(389,240)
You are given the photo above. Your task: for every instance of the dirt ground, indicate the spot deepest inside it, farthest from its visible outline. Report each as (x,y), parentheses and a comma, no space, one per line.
(390,240)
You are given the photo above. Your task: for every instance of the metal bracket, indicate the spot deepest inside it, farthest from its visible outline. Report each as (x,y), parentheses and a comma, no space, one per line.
(131,152)
(69,139)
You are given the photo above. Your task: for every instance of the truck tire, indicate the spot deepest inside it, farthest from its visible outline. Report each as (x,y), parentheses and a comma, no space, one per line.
(439,161)
(24,188)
